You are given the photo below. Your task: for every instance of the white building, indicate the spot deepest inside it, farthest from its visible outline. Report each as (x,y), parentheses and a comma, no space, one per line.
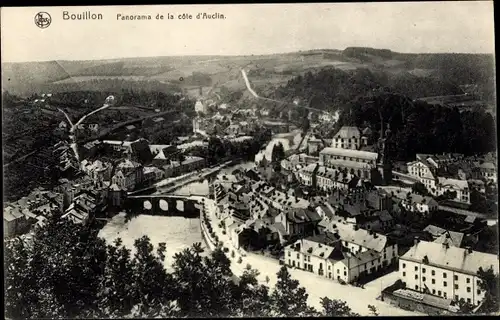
(327,255)
(357,162)
(200,107)
(417,203)
(461,187)
(419,168)
(349,138)
(445,271)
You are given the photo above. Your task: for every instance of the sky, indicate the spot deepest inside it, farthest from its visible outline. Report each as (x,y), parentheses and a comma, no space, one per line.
(413,27)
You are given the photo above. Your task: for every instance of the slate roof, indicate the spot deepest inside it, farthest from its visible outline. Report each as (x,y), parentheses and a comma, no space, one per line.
(347,133)
(451,258)
(350,153)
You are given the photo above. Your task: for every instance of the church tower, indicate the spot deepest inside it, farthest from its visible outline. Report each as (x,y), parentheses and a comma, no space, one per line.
(384,165)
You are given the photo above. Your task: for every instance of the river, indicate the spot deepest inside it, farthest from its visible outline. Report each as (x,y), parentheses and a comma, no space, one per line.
(177,232)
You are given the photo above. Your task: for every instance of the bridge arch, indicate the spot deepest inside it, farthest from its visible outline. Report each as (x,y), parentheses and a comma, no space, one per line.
(179,204)
(147,205)
(163,204)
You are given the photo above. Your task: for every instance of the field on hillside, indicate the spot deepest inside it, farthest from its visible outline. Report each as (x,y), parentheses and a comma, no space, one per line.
(264,71)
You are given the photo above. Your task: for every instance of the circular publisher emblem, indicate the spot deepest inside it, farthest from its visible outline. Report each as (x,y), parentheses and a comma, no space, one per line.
(43,20)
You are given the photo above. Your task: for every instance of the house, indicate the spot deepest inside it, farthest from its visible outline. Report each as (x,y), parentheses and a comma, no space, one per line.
(14,221)
(152,174)
(417,203)
(91,148)
(299,221)
(488,171)
(137,150)
(82,210)
(419,168)
(378,200)
(326,255)
(445,271)
(233,130)
(314,145)
(315,254)
(348,138)
(451,238)
(93,127)
(454,186)
(200,107)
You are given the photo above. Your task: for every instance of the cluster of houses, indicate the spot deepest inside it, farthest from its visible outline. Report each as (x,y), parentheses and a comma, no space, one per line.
(33,209)
(348,234)
(323,235)
(453,174)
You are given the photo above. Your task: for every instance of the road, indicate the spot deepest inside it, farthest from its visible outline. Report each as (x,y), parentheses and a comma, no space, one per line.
(247,83)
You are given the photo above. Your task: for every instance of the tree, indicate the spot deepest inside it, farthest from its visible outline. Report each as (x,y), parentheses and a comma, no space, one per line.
(489,284)
(288,298)
(336,308)
(464,307)
(67,271)
(420,188)
(254,299)
(373,310)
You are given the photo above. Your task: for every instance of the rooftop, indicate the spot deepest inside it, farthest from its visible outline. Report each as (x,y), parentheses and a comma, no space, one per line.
(350,153)
(360,236)
(453,183)
(451,258)
(348,133)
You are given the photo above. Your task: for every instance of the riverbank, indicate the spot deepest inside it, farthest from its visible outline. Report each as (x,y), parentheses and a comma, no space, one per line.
(177,233)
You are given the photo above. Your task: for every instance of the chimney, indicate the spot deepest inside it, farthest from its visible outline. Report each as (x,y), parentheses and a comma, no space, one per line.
(416,240)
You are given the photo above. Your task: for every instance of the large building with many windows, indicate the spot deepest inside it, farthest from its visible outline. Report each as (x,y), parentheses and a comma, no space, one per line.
(342,255)
(445,271)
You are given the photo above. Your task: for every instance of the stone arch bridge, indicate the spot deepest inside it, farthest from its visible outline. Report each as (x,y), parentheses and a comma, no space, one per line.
(166,205)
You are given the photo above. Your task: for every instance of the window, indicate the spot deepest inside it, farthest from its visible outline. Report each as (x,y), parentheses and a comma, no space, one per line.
(416,287)
(439,292)
(298,255)
(416,277)
(416,268)
(478,282)
(345,273)
(444,275)
(289,253)
(456,286)
(433,291)
(433,281)
(478,291)
(444,293)
(468,280)
(468,289)
(329,267)
(456,297)
(445,284)
(468,300)
(338,271)
(423,270)
(433,272)
(423,278)
(404,274)
(456,277)
(309,259)
(404,265)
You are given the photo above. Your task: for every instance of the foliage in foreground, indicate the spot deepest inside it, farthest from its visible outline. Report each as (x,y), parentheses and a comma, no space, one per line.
(66,271)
